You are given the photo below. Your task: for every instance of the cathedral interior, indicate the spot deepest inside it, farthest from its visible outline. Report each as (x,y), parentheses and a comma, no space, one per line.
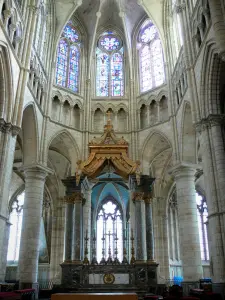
(112,144)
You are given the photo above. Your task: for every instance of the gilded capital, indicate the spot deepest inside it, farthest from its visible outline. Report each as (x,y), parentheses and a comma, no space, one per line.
(138,196)
(76,197)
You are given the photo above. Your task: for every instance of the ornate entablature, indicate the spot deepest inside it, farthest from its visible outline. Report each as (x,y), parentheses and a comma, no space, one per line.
(108,149)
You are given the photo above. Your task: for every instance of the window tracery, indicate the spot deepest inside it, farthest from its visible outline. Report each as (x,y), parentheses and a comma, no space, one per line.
(109,232)
(109,66)
(151,59)
(202,212)
(68,59)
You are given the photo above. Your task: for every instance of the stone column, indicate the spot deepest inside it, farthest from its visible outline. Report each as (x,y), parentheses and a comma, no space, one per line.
(77,244)
(140,227)
(188,223)
(29,247)
(213,157)
(8,134)
(149,230)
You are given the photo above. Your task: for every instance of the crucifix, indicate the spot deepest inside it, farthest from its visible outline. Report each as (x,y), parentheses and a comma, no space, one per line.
(109,250)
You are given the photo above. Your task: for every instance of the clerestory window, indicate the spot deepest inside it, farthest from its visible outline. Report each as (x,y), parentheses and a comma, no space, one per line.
(109,66)
(68,59)
(151,61)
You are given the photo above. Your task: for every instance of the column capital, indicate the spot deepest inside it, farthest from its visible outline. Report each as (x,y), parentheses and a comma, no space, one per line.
(36,171)
(76,197)
(209,122)
(8,127)
(184,170)
(138,196)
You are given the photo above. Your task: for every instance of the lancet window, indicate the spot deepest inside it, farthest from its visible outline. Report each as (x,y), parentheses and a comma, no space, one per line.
(202,225)
(109,66)
(151,61)
(16,217)
(109,233)
(41,27)
(68,59)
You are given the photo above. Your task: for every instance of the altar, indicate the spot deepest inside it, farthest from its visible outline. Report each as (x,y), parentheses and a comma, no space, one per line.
(95,296)
(106,245)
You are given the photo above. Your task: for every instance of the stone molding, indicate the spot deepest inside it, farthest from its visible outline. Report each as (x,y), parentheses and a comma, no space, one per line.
(76,197)
(36,171)
(8,127)
(184,170)
(209,122)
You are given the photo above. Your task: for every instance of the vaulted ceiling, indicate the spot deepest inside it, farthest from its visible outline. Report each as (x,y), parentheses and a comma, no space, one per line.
(111,12)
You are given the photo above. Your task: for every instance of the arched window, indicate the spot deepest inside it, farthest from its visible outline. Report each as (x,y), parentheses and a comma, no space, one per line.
(151,60)
(202,220)
(109,66)
(16,216)
(68,59)
(109,233)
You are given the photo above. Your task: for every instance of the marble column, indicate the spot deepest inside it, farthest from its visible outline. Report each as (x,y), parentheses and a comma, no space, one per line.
(213,158)
(77,248)
(149,230)
(87,219)
(32,211)
(69,231)
(140,227)
(188,223)
(8,133)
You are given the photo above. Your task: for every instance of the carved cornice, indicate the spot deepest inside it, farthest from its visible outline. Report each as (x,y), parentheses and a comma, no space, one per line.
(8,128)
(76,197)
(209,122)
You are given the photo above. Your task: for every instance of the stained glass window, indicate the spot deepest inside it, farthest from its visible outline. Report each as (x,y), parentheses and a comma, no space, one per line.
(109,67)
(68,59)
(202,212)
(152,72)
(109,233)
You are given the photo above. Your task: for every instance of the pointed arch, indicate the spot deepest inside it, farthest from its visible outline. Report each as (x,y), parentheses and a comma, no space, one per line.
(30,135)
(6,84)
(65,144)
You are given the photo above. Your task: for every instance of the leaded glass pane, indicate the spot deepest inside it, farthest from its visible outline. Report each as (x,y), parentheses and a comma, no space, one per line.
(146,72)
(61,68)
(117,75)
(70,33)
(73,69)
(158,62)
(102,80)
(109,43)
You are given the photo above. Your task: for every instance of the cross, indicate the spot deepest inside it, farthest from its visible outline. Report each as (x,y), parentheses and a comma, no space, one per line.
(108,114)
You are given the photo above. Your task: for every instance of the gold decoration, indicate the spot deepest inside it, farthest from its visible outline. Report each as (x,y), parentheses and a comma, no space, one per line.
(74,198)
(108,149)
(109,278)
(138,196)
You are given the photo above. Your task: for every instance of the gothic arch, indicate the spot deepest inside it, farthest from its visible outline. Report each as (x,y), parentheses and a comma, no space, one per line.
(209,95)
(6,84)
(156,148)
(66,145)
(30,135)
(188,136)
